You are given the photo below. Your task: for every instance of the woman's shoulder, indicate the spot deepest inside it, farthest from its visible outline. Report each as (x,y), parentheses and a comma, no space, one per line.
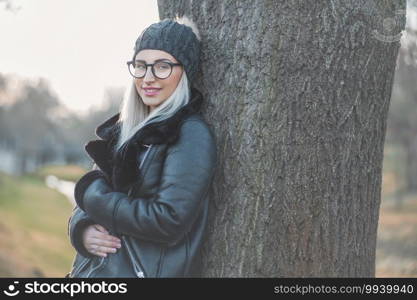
(197,136)
(195,121)
(194,117)
(195,128)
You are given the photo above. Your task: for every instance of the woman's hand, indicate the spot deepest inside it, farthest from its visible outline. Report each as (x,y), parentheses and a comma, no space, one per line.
(98,241)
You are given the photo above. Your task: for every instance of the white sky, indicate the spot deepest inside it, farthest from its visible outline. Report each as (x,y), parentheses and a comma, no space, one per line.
(80,47)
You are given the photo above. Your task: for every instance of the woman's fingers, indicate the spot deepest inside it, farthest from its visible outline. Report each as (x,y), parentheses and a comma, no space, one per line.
(100,228)
(105,243)
(98,242)
(98,253)
(107,237)
(103,234)
(101,250)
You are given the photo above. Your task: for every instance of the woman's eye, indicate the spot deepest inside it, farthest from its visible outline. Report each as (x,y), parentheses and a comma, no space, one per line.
(140,67)
(163,66)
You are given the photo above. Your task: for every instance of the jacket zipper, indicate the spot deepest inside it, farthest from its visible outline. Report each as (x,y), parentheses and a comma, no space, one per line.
(162,255)
(161,262)
(97,267)
(130,192)
(137,265)
(187,252)
(144,157)
(81,266)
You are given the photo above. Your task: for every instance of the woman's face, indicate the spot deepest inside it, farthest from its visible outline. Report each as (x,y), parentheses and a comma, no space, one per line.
(163,88)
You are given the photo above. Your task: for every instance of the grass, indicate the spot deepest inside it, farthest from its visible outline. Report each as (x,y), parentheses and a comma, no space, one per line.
(33,229)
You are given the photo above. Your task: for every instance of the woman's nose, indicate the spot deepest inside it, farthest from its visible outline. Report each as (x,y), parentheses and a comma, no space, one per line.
(149,75)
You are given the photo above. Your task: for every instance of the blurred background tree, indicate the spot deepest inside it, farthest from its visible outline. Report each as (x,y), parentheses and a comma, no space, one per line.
(39,130)
(402,120)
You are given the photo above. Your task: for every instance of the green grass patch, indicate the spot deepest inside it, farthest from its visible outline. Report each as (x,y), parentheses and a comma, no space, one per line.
(33,228)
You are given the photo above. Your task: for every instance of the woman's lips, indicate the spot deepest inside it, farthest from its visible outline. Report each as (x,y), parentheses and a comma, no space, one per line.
(151,92)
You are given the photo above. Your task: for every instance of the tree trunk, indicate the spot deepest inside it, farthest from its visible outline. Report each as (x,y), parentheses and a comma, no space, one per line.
(297,93)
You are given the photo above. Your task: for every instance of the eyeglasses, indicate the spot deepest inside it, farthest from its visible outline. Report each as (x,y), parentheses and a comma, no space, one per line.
(161,69)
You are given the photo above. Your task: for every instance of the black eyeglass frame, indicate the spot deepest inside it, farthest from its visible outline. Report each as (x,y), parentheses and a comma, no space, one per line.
(130,62)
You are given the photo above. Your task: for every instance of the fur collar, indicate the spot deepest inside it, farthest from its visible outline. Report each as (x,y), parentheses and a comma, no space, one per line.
(121,168)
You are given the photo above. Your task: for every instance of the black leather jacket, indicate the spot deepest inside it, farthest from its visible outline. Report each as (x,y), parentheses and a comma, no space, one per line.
(161,217)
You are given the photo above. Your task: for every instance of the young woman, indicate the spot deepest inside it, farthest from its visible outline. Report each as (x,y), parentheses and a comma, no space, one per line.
(142,210)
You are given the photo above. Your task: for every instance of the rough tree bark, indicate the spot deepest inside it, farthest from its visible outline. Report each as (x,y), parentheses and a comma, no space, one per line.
(297,93)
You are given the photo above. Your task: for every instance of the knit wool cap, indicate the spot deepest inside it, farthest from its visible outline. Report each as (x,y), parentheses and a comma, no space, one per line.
(177,39)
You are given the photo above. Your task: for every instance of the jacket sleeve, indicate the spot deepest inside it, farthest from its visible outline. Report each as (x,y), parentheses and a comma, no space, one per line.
(77,223)
(186,177)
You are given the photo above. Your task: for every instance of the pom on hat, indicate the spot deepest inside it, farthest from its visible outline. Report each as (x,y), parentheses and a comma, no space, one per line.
(186,21)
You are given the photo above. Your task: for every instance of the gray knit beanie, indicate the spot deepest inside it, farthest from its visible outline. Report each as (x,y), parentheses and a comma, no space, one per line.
(177,39)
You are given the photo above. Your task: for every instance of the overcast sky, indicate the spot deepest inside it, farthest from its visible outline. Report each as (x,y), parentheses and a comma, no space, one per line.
(80,47)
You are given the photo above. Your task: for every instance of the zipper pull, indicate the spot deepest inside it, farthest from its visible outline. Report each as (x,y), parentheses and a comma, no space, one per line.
(140,274)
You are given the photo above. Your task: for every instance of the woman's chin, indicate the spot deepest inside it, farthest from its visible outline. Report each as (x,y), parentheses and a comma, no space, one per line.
(150,101)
